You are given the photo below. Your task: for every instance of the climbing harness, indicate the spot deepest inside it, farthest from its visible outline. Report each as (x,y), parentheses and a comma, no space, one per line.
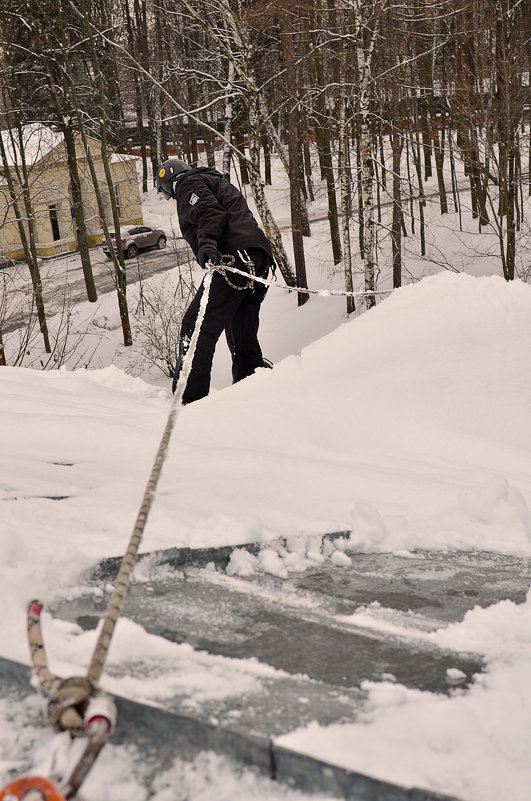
(76,704)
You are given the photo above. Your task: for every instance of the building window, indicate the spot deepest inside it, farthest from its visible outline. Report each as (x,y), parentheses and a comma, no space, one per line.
(54,222)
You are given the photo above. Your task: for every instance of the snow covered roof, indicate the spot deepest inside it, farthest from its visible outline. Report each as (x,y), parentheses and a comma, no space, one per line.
(116,157)
(37,141)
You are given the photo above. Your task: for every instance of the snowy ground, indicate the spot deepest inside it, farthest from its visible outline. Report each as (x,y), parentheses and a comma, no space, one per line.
(409,426)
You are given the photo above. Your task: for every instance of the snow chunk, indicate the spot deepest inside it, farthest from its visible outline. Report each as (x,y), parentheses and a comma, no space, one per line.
(340,559)
(242,563)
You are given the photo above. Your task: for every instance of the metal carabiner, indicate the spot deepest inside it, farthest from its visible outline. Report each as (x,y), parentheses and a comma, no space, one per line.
(227,261)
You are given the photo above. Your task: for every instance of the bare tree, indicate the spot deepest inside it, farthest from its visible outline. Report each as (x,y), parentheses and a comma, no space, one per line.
(18,183)
(115,247)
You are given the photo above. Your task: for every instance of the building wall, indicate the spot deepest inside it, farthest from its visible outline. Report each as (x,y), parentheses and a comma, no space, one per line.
(52,204)
(10,245)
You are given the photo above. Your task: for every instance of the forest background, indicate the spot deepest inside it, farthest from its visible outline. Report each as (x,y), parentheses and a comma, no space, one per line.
(369,101)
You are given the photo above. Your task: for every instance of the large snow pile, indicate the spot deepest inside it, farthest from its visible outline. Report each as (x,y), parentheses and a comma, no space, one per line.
(409,426)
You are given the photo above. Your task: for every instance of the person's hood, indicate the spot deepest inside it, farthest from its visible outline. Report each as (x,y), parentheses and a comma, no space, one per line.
(201,171)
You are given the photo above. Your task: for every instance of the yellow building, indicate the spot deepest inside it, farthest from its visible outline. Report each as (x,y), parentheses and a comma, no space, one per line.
(44,153)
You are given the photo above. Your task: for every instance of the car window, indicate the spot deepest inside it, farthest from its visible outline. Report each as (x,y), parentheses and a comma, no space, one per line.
(145,230)
(133,231)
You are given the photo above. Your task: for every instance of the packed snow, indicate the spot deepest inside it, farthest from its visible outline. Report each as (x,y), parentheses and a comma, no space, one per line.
(407,427)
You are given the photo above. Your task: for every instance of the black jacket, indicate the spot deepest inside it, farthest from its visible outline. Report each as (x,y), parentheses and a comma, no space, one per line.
(212,211)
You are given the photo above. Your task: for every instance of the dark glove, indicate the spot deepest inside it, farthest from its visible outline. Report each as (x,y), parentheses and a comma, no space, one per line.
(208,252)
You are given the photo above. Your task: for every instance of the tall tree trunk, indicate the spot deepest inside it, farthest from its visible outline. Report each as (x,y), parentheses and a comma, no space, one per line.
(422,201)
(209,141)
(79,211)
(369,222)
(396,226)
(426,136)
(295,173)
(240,144)
(308,166)
(141,134)
(344,181)
(322,134)
(64,114)
(469,138)
(327,170)
(267,160)
(228,121)
(511,222)
(270,227)
(138,99)
(27,240)
(438,139)
(296,221)
(364,60)
(117,256)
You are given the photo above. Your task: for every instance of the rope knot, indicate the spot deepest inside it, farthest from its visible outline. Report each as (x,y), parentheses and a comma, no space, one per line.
(68,704)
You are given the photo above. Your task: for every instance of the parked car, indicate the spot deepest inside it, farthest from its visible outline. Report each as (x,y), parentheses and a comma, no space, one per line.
(138,238)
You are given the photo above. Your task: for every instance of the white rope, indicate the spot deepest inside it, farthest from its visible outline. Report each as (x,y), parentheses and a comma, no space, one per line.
(228,261)
(117,598)
(188,359)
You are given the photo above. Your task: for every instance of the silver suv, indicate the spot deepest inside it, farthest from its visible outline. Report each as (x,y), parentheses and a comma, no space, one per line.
(138,238)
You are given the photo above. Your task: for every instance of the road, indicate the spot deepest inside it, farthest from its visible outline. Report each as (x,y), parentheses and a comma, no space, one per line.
(63,277)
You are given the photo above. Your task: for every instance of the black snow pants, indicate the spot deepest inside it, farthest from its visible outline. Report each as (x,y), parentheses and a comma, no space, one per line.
(234,311)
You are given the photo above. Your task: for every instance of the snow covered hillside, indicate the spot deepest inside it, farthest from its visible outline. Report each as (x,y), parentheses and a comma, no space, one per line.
(409,426)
